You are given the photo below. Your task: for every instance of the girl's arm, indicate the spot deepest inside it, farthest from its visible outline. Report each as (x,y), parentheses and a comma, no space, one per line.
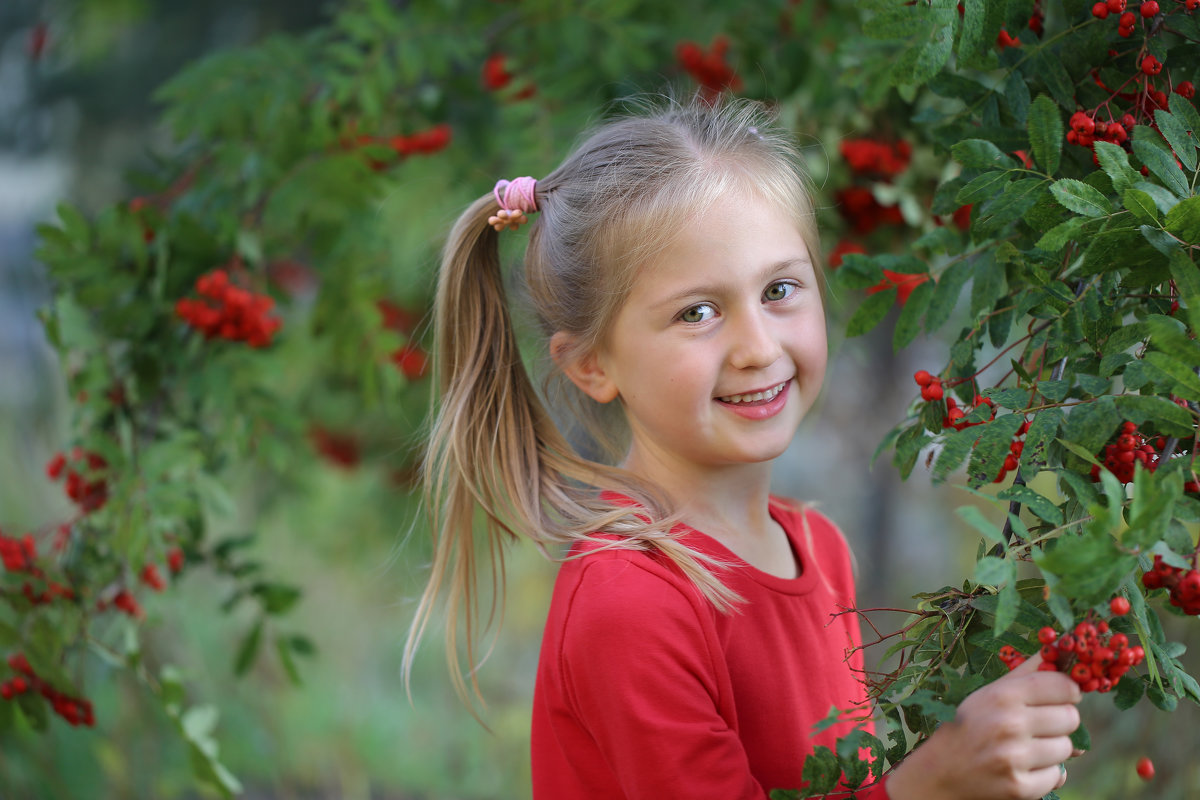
(1007,742)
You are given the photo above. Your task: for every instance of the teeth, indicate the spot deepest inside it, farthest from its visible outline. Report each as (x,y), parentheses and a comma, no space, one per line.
(754,396)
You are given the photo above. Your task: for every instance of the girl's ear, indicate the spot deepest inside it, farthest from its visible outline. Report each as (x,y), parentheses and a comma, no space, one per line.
(583,368)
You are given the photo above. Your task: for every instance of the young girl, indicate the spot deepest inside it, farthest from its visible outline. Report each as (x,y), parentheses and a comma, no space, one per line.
(690,645)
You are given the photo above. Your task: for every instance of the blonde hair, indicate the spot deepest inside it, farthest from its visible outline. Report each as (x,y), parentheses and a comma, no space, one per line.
(621,197)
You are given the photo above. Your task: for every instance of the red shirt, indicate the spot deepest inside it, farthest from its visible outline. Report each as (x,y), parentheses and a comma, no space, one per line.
(645,690)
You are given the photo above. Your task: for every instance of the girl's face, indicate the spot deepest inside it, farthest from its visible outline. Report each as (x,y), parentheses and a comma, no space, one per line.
(720,349)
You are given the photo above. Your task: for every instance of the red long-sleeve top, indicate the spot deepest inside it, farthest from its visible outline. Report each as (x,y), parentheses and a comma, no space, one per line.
(645,690)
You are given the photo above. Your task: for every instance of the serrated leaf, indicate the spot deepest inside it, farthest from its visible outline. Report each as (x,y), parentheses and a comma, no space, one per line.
(1043,507)
(1045,133)
(1081,198)
(995,571)
(954,449)
(1185,382)
(909,323)
(1184,220)
(1152,152)
(975,518)
(1141,206)
(1167,417)
(1182,141)
(869,314)
(1057,237)
(983,187)
(979,154)
(945,295)
(1115,164)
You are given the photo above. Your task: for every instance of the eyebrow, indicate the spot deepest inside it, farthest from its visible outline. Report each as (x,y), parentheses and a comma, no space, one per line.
(715,289)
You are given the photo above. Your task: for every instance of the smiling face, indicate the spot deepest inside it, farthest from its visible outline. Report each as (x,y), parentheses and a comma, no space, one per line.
(720,348)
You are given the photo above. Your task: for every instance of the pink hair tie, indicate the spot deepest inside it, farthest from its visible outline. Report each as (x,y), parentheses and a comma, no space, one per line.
(516,201)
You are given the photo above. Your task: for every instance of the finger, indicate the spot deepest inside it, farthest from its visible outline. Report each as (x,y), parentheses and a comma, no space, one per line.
(1055,720)
(1076,753)
(1062,779)
(1042,781)
(1047,752)
(1049,688)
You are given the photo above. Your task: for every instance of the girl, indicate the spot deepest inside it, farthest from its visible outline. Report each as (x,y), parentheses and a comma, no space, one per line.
(689,647)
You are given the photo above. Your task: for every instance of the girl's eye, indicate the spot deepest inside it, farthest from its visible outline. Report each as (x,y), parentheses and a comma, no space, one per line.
(698,313)
(780,291)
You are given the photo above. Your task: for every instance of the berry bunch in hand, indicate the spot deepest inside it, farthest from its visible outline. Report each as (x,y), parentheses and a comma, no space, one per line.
(1093,656)
(1183,585)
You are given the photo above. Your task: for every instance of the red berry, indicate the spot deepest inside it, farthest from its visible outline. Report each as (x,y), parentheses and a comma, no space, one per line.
(1047,635)
(1149,8)
(922,377)
(933,392)
(1100,10)
(1119,606)
(1151,65)
(1145,768)
(1116,6)
(1186,89)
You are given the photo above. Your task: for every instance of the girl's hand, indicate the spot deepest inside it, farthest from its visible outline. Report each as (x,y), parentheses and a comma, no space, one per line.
(1007,742)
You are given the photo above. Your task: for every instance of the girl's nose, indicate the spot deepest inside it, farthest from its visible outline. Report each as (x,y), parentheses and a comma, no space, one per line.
(755,344)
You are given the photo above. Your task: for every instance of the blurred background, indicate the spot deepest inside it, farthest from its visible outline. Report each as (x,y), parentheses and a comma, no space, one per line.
(79,119)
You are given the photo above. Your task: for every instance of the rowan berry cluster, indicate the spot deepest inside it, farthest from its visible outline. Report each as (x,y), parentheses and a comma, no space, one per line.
(426,142)
(1085,126)
(858,206)
(1182,585)
(876,158)
(496,76)
(710,69)
(20,555)
(1093,656)
(236,314)
(75,710)
(1130,448)
(87,489)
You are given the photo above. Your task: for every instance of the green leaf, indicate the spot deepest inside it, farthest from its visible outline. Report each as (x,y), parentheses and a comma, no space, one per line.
(982,21)
(909,323)
(1089,425)
(1184,220)
(1006,611)
(869,314)
(1048,65)
(1088,567)
(954,449)
(1077,196)
(821,771)
(983,187)
(945,295)
(1187,280)
(1182,141)
(248,650)
(276,598)
(989,284)
(1149,147)
(979,154)
(1081,739)
(1185,114)
(1045,132)
(1115,164)
(975,518)
(1129,692)
(1041,506)
(1141,205)
(1043,429)
(994,571)
(1185,382)
(1057,237)
(1167,417)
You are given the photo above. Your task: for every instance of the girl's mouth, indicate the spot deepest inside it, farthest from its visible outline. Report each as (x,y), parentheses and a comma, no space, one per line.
(754,398)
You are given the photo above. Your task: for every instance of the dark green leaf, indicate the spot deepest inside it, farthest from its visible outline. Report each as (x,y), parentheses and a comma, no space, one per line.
(945,295)
(248,649)
(821,771)
(869,314)
(989,284)
(1077,196)
(1057,237)
(276,598)
(1185,382)
(1182,141)
(1088,567)
(909,323)
(1167,417)
(1045,133)
(983,187)
(1141,205)
(1090,425)
(1043,429)
(1129,692)
(1184,220)
(954,449)
(979,154)
(1149,147)
(1043,507)
(1115,164)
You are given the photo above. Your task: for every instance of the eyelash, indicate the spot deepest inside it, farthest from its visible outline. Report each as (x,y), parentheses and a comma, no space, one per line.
(793,286)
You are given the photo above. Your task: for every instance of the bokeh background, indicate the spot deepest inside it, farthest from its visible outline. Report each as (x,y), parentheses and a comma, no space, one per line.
(78,117)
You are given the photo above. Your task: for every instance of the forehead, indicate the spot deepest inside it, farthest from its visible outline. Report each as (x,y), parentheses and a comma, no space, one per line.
(738,232)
